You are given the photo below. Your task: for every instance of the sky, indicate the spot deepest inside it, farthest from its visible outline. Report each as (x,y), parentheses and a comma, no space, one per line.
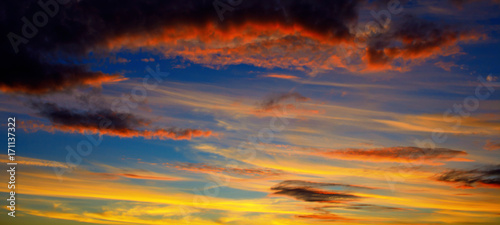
(251,111)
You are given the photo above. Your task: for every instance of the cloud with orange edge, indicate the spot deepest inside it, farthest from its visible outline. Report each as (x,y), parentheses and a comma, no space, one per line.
(311,191)
(402,154)
(57,82)
(311,36)
(104,122)
(412,39)
(397,154)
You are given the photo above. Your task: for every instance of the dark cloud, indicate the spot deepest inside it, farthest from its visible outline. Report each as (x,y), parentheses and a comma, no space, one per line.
(310,191)
(73,117)
(274,101)
(313,195)
(411,38)
(104,122)
(487,177)
(47,59)
(33,77)
(203,168)
(50,58)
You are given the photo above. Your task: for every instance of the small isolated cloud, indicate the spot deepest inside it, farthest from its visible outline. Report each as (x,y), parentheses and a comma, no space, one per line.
(281,76)
(485,177)
(492,145)
(284,103)
(311,192)
(445,65)
(491,78)
(27,161)
(123,60)
(313,195)
(148,59)
(273,101)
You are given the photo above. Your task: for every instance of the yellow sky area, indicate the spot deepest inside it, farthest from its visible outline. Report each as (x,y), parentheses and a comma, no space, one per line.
(81,184)
(426,202)
(46,183)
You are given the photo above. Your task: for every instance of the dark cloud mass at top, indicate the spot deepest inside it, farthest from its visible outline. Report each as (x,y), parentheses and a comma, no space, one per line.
(45,55)
(48,61)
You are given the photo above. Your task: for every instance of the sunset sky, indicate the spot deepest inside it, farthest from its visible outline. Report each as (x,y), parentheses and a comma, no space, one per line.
(252,111)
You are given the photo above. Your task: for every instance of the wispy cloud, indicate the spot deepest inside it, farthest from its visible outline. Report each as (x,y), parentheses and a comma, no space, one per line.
(398,154)
(36,162)
(203,168)
(285,104)
(419,39)
(385,154)
(445,65)
(491,145)
(281,76)
(485,177)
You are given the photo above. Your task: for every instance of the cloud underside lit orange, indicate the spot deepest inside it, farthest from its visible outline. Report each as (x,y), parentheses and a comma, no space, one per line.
(161,134)
(276,45)
(94,79)
(403,154)
(281,76)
